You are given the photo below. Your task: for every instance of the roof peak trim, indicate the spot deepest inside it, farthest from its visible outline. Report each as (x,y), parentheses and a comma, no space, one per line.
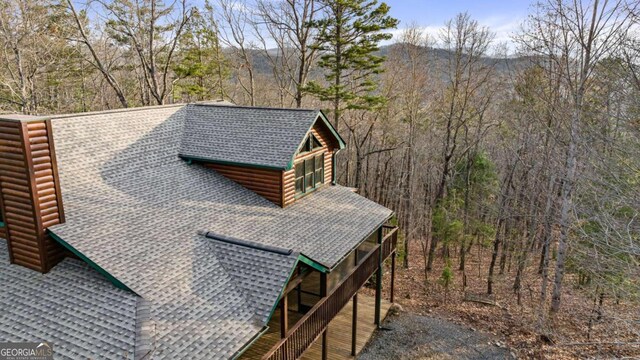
(255,107)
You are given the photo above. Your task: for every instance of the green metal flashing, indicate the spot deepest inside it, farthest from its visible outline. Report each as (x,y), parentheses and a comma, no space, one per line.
(190,159)
(314,264)
(97,267)
(246,346)
(2,224)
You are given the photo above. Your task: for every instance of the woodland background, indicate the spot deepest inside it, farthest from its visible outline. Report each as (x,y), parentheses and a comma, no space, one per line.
(514,171)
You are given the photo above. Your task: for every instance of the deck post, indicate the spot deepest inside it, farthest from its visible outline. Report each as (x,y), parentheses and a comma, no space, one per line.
(323,293)
(379,279)
(354,325)
(393,274)
(284,316)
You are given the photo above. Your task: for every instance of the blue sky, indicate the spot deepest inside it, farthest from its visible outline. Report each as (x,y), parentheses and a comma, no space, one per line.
(502,17)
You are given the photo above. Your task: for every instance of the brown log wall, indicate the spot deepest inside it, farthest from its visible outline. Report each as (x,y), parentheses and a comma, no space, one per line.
(266,183)
(29,193)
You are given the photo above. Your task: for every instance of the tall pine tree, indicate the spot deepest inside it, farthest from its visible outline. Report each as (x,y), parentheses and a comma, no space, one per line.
(348,38)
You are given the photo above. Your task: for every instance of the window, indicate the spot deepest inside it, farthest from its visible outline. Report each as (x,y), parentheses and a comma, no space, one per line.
(309,174)
(310,143)
(319,169)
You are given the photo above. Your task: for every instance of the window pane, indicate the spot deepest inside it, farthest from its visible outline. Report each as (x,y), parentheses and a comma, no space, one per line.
(299,169)
(307,145)
(309,181)
(315,143)
(319,168)
(300,178)
(309,166)
(299,185)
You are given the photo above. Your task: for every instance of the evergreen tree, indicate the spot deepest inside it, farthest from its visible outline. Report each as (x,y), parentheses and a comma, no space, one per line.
(202,67)
(348,38)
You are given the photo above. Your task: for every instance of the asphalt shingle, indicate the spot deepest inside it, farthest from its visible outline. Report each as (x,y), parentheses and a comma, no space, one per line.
(247,135)
(73,307)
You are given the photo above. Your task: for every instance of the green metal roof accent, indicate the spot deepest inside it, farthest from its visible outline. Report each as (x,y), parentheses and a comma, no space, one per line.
(97,267)
(316,265)
(190,159)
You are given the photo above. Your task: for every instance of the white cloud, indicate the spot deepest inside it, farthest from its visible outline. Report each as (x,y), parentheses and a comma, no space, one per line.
(502,27)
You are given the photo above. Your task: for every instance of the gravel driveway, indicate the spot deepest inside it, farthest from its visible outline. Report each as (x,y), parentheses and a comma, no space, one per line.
(410,336)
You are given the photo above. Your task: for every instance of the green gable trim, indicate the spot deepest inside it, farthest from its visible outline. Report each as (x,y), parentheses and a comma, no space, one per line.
(313,264)
(301,259)
(273,309)
(191,159)
(102,271)
(321,116)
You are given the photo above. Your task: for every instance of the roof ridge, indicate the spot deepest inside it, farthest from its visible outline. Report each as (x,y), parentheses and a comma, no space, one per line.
(113,111)
(254,107)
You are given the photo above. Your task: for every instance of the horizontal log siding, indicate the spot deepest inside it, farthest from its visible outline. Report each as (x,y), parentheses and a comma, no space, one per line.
(328,144)
(289,187)
(29,193)
(48,186)
(266,183)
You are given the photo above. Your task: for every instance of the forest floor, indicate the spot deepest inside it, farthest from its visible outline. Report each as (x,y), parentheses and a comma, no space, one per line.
(408,336)
(574,333)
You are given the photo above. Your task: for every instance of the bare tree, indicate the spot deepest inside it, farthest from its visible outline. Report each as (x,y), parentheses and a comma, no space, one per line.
(466,74)
(236,25)
(152,31)
(94,58)
(289,22)
(575,37)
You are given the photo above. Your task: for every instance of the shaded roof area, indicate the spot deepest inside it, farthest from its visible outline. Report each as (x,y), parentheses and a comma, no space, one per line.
(245,135)
(72,306)
(134,209)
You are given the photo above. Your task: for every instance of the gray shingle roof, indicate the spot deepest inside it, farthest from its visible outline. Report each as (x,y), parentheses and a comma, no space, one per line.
(235,134)
(72,306)
(134,208)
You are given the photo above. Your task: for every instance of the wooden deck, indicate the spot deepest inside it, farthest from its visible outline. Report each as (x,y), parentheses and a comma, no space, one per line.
(339,333)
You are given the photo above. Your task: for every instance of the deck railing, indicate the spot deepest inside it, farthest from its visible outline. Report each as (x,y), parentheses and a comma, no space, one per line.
(313,324)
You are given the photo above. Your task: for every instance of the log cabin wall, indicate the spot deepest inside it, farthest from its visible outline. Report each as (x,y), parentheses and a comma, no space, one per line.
(30,196)
(266,183)
(328,143)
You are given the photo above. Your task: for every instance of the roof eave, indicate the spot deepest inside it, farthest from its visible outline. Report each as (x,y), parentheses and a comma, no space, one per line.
(232,163)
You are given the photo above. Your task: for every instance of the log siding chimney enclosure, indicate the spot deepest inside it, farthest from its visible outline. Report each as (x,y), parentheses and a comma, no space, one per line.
(30,196)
